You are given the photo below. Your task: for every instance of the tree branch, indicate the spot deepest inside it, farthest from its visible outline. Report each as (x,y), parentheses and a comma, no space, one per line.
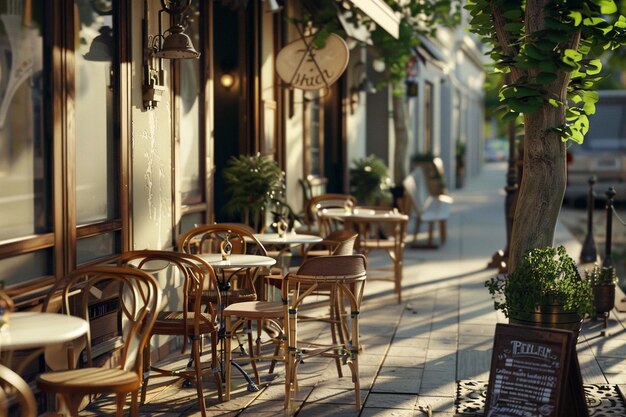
(503,38)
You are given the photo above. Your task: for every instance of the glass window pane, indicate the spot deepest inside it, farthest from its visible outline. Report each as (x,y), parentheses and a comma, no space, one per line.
(95,195)
(95,247)
(22,268)
(191,220)
(191,184)
(24,155)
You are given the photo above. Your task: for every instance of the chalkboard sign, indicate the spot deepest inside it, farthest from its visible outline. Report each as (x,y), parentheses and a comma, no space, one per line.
(530,368)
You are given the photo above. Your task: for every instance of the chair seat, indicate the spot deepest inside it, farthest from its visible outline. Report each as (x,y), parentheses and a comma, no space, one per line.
(89,381)
(232,296)
(172,323)
(255,310)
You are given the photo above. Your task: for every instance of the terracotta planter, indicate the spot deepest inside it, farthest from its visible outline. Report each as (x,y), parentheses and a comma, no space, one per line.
(548,316)
(604,298)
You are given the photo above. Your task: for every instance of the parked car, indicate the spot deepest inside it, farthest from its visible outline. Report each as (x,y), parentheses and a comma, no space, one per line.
(603,152)
(496,149)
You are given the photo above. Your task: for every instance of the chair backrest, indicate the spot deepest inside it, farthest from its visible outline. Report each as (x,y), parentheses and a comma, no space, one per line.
(320,202)
(345,242)
(14,386)
(417,190)
(131,297)
(207,239)
(196,276)
(347,272)
(331,268)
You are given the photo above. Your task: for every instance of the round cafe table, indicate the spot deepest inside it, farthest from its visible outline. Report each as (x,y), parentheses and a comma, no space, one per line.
(287,239)
(28,330)
(237,260)
(36,330)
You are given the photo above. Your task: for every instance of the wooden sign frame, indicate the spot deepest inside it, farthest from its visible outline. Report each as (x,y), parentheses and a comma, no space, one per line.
(535,371)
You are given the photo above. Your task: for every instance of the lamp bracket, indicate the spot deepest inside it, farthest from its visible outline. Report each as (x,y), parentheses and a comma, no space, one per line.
(175,6)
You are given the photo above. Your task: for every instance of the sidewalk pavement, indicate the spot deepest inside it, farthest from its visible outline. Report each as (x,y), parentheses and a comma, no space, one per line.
(414,352)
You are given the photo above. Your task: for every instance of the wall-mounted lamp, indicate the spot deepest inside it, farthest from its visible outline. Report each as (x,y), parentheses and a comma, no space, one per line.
(171,44)
(378,65)
(227,80)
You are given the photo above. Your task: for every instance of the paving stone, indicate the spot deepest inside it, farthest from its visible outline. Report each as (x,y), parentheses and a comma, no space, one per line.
(334,395)
(445,404)
(396,385)
(385,412)
(405,402)
(327,410)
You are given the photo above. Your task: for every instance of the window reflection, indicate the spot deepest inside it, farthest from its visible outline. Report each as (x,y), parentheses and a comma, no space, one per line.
(24,178)
(95,173)
(191,184)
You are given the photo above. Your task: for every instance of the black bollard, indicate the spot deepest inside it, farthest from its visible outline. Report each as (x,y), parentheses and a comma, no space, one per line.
(589,253)
(608,261)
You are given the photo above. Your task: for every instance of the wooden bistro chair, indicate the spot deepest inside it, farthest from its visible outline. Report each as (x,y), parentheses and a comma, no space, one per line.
(193,317)
(274,316)
(339,243)
(430,209)
(345,275)
(130,297)
(13,386)
(235,286)
(323,226)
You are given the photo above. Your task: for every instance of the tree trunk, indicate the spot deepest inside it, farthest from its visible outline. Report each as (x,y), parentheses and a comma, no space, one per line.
(402,138)
(542,187)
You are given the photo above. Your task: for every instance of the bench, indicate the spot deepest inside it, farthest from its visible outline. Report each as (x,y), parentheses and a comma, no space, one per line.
(429,209)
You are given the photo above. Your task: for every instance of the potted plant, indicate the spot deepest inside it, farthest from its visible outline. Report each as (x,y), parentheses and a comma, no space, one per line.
(545,290)
(602,281)
(254,184)
(369,181)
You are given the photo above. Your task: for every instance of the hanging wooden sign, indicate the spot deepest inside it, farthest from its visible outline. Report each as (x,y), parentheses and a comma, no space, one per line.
(302,65)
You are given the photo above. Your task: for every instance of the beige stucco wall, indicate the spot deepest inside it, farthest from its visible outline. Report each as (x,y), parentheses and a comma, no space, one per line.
(151,146)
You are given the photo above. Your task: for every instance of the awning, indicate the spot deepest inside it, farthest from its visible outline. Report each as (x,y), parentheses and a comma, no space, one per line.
(380,13)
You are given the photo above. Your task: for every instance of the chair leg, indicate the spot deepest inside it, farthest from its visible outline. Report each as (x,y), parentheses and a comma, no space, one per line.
(397,272)
(134,404)
(146,372)
(215,365)
(354,361)
(227,357)
(431,231)
(416,230)
(442,231)
(333,330)
(251,351)
(195,352)
(120,403)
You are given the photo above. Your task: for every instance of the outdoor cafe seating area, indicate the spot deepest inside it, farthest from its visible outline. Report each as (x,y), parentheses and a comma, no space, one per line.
(225,301)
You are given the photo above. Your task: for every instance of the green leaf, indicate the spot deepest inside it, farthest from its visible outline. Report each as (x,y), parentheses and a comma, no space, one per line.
(576,16)
(606,6)
(594,67)
(589,108)
(514,27)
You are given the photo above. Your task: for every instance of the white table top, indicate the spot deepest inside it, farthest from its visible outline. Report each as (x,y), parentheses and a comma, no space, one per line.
(27,330)
(287,239)
(237,260)
(361,213)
